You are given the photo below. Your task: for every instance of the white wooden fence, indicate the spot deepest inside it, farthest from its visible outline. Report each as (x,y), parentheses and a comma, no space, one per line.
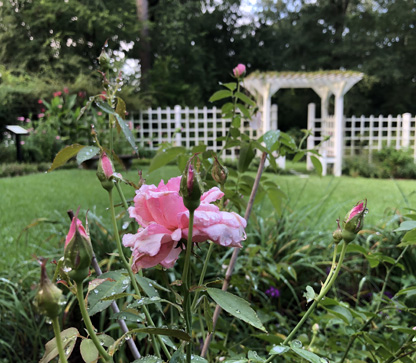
(188,127)
(362,135)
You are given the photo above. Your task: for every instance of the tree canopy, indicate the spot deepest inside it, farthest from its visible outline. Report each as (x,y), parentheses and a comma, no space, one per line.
(195,44)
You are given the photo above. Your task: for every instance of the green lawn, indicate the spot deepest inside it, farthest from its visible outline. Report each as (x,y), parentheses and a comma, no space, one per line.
(24,199)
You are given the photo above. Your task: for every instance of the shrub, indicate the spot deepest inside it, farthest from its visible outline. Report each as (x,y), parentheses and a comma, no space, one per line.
(386,163)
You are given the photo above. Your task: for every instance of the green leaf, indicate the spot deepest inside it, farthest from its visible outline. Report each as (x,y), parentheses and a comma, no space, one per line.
(305,354)
(180,357)
(309,294)
(279,349)
(219,95)
(245,99)
(176,333)
(254,357)
(298,156)
(208,315)
(115,282)
(148,288)
(408,239)
(231,86)
(121,108)
(410,291)
(406,226)
(129,316)
(88,351)
(243,110)
(246,156)
(64,155)
(124,127)
(340,312)
(148,359)
(270,138)
(87,153)
(165,156)
(276,197)
(69,337)
(316,164)
(236,306)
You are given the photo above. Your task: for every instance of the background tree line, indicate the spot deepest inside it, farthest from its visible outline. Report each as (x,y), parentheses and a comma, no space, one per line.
(191,45)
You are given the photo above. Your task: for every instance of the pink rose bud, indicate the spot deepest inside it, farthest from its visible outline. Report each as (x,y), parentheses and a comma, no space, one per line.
(104,171)
(66,90)
(239,70)
(353,222)
(48,299)
(191,187)
(337,235)
(78,251)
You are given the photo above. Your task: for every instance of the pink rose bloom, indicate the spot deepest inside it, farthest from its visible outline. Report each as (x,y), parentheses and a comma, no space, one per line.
(239,70)
(164,222)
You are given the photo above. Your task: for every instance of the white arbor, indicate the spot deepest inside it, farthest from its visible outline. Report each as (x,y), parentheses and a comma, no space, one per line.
(263,85)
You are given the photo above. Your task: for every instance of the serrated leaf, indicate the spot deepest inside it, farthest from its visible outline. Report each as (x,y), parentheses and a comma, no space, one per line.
(279,349)
(69,337)
(116,282)
(165,156)
(147,286)
(406,226)
(270,138)
(180,357)
(219,95)
(236,306)
(121,108)
(153,300)
(408,239)
(309,294)
(87,153)
(245,99)
(64,155)
(316,164)
(231,85)
(340,312)
(124,127)
(129,316)
(247,154)
(243,110)
(88,351)
(305,354)
(254,357)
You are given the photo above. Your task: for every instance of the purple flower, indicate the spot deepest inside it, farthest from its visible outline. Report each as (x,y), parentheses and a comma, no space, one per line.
(273,292)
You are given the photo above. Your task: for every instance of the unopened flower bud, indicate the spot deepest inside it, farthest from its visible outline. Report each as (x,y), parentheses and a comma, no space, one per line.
(104,61)
(315,328)
(78,251)
(104,171)
(239,71)
(191,187)
(337,234)
(354,221)
(219,173)
(48,299)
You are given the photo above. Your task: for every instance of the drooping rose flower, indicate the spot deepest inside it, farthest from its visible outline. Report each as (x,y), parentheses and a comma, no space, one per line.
(239,70)
(164,222)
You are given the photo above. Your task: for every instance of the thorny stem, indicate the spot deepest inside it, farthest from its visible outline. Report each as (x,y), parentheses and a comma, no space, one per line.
(186,281)
(383,289)
(133,280)
(57,332)
(235,252)
(87,321)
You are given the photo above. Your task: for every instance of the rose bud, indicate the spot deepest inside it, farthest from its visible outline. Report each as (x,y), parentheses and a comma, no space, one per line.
(239,71)
(219,173)
(191,187)
(354,221)
(104,171)
(78,251)
(48,299)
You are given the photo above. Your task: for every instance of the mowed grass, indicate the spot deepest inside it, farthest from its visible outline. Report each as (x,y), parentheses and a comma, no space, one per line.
(28,198)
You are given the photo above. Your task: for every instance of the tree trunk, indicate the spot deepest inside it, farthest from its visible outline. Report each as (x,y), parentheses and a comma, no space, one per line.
(144,45)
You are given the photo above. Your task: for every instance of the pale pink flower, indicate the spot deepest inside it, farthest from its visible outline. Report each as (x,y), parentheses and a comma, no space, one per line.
(76,224)
(57,137)
(20,118)
(239,70)
(107,166)
(164,222)
(40,115)
(22,142)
